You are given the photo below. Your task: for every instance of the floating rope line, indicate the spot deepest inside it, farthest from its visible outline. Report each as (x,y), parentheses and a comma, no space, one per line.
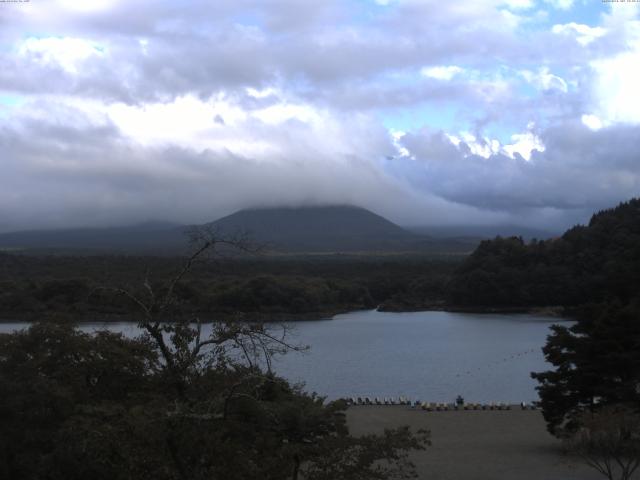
(514,356)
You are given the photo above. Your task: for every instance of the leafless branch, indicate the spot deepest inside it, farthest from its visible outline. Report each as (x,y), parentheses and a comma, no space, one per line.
(182,346)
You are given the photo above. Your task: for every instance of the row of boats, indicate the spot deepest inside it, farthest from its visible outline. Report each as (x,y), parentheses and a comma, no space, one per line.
(381,401)
(430,406)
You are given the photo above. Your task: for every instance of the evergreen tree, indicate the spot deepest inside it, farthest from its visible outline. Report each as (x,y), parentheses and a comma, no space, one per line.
(597,363)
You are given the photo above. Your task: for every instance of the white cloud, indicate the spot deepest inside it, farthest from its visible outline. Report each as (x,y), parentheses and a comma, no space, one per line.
(544,80)
(560,4)
(524,144)
(87,7)
(442,72)
(591,121)
(396,138)
(584,34)
(520,4)
(186,121)
(616,85)
(66,53)
(218,124)
(482,147)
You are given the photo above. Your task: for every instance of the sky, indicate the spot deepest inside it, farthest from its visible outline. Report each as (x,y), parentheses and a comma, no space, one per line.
(427,112)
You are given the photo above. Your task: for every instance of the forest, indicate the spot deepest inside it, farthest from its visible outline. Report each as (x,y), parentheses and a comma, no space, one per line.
(587,264)
(257,286)
(599,262)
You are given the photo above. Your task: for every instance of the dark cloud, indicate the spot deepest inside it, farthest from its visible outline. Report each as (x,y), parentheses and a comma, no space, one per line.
(579,170)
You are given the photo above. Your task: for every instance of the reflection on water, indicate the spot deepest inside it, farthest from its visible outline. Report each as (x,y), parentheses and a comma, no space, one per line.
(428,355)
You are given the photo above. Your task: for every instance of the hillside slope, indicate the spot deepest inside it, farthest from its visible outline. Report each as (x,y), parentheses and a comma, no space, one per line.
(597,262)
(150,237)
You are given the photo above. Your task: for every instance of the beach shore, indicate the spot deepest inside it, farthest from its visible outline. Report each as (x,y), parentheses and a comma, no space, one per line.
(478,445)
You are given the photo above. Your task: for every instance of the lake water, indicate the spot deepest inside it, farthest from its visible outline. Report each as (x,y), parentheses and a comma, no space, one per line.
(432,356)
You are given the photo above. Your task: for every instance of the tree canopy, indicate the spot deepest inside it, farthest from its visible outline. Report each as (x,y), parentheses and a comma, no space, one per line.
(597,364)
(173,405)
(593,263)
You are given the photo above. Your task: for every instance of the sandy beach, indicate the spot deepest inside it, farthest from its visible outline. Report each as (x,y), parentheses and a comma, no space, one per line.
(478,445)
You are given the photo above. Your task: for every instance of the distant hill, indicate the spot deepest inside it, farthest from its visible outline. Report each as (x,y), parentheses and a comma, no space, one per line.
(149,237)
(483,232)
(321,229)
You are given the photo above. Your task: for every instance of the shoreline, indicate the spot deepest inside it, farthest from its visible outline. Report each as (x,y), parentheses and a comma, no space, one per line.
(555,311)
(558,312)
(477,444)
(209,318)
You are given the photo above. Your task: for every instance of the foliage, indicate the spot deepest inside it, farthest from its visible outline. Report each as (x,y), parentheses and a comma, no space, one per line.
(56,380)
(595,263)
(597,363)
(259,287)
(174,405)
(609,441)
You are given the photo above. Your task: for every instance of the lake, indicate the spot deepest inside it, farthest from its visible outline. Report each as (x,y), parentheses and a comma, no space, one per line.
(432,356)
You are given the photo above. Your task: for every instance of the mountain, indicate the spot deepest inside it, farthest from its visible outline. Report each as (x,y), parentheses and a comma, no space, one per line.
(320,229)
(326,229)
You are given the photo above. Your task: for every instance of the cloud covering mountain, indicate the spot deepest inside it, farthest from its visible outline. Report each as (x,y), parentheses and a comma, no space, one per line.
(424,111)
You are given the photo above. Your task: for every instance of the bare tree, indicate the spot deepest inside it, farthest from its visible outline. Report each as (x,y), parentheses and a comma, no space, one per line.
(609,441)
(179,338)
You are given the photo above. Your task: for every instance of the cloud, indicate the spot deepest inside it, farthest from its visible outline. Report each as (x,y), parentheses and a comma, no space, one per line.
(584,34)
(425,111)
(569,168)
(441,72)
(544,80)
(96,171)
(560,4)
(591,121)
(520,4)
(155,50)
(524,144)
(616,87)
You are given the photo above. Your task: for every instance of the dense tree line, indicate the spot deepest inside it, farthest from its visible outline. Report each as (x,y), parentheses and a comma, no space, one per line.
(594,263)
(261,287)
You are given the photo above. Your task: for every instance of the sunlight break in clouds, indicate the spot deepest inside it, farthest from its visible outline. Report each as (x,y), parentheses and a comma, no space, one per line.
(53,52)
(442,73)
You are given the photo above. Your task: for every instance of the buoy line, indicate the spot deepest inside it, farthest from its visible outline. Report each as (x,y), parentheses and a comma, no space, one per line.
(514,356)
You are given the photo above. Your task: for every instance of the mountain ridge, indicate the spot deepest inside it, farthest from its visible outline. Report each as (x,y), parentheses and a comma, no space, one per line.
(318,229)
(328,228)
